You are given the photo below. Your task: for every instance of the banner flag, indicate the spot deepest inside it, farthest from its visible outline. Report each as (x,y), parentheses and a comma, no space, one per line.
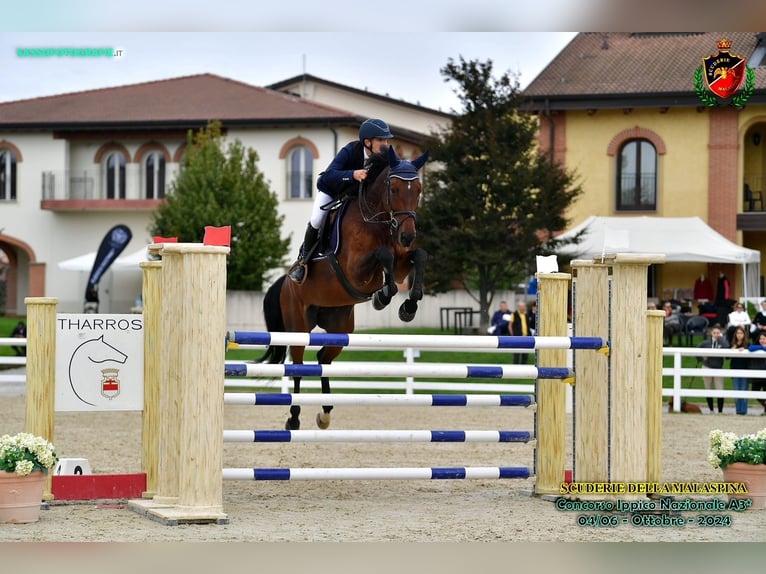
(114,243)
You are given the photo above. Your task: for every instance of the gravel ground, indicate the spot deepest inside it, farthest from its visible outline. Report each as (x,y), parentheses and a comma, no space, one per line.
(367,511)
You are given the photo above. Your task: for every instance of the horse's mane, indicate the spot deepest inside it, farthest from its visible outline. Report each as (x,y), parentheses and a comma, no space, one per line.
(378,163)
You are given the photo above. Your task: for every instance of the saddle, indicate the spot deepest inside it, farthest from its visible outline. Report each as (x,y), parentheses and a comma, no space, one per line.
(329,234)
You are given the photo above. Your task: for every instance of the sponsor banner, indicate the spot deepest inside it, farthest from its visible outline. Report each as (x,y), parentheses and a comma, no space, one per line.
(99,362)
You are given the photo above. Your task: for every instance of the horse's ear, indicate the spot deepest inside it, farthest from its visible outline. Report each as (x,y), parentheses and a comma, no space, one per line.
(393,159)
(420,162)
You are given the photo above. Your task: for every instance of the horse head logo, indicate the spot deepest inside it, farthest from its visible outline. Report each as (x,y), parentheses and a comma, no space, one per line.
(87,370)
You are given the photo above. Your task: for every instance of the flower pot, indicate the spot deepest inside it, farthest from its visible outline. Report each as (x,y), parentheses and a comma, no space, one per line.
(754,476)
(21,497)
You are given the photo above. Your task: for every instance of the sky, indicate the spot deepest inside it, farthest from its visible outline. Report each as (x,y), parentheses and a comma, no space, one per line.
(394,47)
(402,65)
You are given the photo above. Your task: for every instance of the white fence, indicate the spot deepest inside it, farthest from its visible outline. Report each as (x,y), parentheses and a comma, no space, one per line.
(410,384)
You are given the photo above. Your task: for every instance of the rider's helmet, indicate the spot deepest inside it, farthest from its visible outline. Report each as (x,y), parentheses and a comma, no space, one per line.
(374,128)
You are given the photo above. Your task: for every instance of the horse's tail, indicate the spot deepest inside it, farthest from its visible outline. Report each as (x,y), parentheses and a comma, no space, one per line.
(272,312)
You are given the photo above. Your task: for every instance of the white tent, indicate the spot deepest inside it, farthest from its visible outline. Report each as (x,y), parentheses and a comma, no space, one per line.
(681,239)
(131,260)
(85,262)
(79,263)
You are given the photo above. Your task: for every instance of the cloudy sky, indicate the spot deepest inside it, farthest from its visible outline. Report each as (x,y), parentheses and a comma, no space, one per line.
(394,47)
(403,65)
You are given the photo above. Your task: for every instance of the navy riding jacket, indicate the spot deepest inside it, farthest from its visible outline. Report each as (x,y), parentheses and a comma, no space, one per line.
(339,175)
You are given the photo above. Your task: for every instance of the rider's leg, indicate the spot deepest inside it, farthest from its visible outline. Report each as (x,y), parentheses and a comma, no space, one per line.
(298,271)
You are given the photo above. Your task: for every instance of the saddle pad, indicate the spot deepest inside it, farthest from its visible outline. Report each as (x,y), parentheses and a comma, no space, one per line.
(331,244)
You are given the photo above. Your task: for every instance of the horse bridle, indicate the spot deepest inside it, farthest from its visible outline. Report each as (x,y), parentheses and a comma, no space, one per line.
(393,216)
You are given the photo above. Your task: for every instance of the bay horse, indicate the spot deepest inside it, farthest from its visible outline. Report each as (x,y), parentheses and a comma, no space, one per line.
(375,249)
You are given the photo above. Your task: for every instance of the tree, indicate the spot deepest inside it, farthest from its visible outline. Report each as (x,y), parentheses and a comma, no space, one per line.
(495,200)
(225,187)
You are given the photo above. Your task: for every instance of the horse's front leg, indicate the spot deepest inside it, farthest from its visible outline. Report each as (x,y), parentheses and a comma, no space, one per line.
(410,306)
(325,356)
(294,422)
(383,297)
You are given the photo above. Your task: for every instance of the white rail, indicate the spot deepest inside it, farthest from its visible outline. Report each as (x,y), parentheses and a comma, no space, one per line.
(410,385)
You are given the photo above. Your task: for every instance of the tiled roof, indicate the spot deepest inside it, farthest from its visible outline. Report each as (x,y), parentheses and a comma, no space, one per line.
(195,98)
(606,64)
(284,85)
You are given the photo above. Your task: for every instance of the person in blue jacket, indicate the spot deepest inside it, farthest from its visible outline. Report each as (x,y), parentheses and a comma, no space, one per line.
(500,322)
(346,169)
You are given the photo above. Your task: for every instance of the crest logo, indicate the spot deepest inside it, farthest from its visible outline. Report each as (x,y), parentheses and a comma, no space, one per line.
(724,74)
(110,383)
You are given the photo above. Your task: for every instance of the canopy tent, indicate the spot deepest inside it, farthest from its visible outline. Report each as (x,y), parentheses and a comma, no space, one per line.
(85,262)
(681,239)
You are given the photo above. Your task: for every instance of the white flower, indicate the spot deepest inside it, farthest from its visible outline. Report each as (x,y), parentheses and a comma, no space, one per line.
(24,453)
(24,467)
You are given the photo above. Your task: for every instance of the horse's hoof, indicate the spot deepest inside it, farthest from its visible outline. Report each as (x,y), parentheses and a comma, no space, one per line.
(323,420)
(407,312)
(292,424)
(380,301)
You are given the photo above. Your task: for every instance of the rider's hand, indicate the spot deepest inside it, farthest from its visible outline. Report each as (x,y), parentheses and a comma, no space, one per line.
(360,174)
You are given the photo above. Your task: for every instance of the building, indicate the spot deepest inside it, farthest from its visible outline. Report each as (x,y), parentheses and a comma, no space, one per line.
(74,165)
(621,110)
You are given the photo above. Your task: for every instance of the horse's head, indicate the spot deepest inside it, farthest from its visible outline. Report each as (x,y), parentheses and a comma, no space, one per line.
(403,184)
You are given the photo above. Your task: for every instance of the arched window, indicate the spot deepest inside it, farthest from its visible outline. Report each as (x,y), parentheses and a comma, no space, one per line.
(637,176)
(7,175)
(115,175)
(300,171)
(154,175)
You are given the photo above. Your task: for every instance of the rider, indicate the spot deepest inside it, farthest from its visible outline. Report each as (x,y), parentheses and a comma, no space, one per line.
(347,166)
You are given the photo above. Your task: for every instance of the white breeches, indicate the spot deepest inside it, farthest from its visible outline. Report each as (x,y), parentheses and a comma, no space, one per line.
(317,213)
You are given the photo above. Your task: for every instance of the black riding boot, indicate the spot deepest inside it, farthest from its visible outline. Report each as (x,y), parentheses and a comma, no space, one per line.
(710,403)
(298,271)
(720,404)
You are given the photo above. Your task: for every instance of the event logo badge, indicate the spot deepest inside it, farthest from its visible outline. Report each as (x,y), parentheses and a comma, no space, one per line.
(110,383)
(719,80)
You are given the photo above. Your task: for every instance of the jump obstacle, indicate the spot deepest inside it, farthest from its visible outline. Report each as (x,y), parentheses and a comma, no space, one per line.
(616,432)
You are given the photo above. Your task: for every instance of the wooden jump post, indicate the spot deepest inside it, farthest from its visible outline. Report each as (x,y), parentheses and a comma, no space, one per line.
(151,296)
(192,331)
(618,397)
(41,372)
(550,417)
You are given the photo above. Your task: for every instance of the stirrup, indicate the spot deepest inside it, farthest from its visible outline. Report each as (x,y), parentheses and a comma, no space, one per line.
(298,272)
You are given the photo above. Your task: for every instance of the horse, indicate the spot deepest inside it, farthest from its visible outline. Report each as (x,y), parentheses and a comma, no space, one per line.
(375,249)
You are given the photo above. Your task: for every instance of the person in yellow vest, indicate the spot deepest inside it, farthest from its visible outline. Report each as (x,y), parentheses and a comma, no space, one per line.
(521,322)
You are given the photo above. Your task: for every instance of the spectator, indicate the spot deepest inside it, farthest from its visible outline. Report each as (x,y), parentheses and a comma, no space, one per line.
(759,322)
(759,363)
(739,343)
(499,324)
(532,318)
(521,320)
(716,341)
(672,324)
(738,318)
(20,332)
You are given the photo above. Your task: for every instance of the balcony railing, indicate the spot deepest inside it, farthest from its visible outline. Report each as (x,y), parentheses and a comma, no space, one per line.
(73,185)
(77,185)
